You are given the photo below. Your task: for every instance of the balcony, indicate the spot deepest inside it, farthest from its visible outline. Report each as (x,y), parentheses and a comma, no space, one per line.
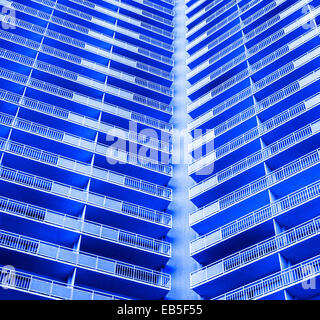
(49,225)
(116,180)
(69,25)
(280,175)
(42,287)
(256,48)
(258,131)
(86,46)
(114,210)
(125,6)
(119,156)
(262,257)
(112,270)
(257,225)
(281,280)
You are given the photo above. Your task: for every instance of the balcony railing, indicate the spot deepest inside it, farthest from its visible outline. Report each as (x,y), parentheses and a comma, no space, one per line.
(215,28)
(127,7)
(87,227)
(82,61)
(84,196)
(70,25)
(253,33)
(261,215)
(56,290)
(86,169)
(124,17)
(121,156)
(78,97)
(256,186)
(71,116)
(209,7)
(83,259)
(288,277)
(257,47)
(83,45)
(264,127)
(258,65)
(238,167)
(249,255)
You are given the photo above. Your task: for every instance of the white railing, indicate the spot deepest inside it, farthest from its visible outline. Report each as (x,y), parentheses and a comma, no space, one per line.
(269,125)
(83,259)
(256,252)
(256,186)
(85,168)
(85,196)
(87,227)
(56,290)
(79,28)
(257,47)
(252,219)
(121,156)
(285,278)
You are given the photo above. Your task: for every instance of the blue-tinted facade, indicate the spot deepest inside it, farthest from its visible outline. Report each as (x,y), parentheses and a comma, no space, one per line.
(254,75)
(87,105)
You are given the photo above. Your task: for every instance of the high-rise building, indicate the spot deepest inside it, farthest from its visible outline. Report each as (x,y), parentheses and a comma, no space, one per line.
(156,149)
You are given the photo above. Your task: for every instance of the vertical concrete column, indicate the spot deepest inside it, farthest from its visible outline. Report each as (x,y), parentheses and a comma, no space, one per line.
(181,264)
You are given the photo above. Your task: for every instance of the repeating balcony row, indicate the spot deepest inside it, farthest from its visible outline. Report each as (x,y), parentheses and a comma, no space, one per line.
(267,247)
(203,23)
(73,76)
(85,169)
(255,49)
(259,216)
(193,5)
(85,30)
(85,227)
(80,119)
(131,8)
(107,11)
(256,186)
(34,45)
(256,31)
(205,10)
(84,196)
(79,97)
(123,15)
(256,86)
(248,72)
(82,44)
(254,159)
(285,278)
(70,75)
(84,260)
(84,121)
(260,64)
(260,129)
(270,100)
(69,94)
(119,155)
(147,3)
(52,289)
(241,117)
(237,14)
(285,116)
(244,23)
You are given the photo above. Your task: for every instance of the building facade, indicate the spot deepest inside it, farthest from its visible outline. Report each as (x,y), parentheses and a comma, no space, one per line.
(94,202)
